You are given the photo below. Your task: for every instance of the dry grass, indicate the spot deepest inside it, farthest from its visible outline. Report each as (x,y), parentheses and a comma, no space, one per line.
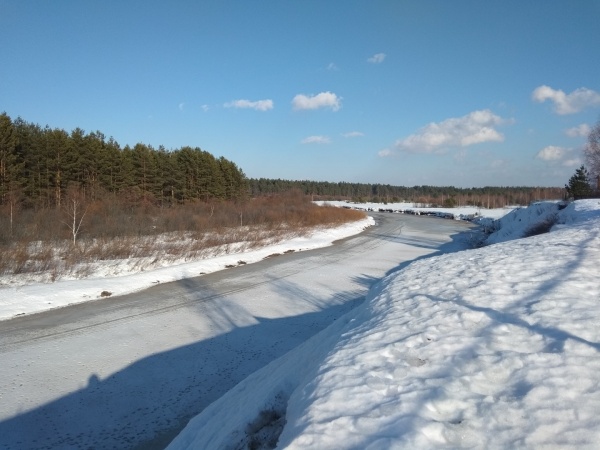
(39,243)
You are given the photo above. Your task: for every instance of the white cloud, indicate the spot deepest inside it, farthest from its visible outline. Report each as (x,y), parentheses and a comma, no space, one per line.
(205,107)
(474,128)
(181,106)
(353,134)
(316,140)
(582,130)
(574,162)
(385,152)
(321,100)
(332,66)
(571,103)
(551,153)
(260,105)
(377,58)
(566,157)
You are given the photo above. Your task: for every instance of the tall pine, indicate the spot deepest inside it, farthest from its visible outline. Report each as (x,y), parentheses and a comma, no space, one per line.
(9,166)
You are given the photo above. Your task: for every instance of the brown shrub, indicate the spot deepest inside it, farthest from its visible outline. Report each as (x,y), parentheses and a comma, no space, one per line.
(115,229)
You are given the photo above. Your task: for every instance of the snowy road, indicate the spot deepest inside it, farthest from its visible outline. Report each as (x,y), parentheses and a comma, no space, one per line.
(130,371)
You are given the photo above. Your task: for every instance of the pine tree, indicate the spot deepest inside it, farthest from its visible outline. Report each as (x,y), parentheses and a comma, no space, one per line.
(8,157)
(578,186)
(144,165)
(112,166)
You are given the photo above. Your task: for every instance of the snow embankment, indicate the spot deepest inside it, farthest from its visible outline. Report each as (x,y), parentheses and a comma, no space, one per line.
(522,222)
(497,347)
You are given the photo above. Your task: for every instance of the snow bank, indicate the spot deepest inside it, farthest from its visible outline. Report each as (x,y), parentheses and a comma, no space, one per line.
(523,221)
(37,297)
(490,348)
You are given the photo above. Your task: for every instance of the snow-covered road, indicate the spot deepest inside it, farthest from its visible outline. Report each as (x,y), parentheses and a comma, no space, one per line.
(126,377)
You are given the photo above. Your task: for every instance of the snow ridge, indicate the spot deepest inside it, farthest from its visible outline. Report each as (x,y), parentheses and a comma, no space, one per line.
(522,222)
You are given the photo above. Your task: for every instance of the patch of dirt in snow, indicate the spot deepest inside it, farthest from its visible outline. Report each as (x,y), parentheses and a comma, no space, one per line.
(264,431)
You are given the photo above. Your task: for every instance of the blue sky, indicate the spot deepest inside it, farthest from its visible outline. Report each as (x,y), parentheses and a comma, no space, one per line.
(463,93)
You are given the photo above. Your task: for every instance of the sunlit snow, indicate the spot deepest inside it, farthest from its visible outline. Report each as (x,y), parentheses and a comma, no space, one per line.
(496,347)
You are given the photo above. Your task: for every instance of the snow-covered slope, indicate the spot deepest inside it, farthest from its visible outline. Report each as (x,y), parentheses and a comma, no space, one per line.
(522,222)
(497,347)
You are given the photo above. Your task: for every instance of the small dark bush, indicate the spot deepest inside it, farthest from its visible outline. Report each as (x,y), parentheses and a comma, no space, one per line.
(264,432)
(541,227)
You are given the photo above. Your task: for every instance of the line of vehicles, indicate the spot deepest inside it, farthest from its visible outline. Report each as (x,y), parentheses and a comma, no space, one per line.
(417,212)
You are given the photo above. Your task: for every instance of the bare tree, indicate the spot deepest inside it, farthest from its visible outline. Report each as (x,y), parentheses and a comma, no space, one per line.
(75,210)
(592,154)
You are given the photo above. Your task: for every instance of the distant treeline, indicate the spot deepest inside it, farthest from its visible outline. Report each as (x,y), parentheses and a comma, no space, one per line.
(489,197)
(39,165)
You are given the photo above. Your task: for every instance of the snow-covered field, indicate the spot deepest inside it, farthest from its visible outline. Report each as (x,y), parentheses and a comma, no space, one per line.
(496,347)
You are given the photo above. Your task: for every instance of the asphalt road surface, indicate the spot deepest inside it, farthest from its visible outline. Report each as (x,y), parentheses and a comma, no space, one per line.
(130,371)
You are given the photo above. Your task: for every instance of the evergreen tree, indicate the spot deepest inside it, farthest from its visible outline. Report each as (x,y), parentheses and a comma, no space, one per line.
(93,164)
(144,165)
(8,157)
(29,150)
(169,176)
(233,179)
(57,154)
(125,177)
(110,165)
(578,186)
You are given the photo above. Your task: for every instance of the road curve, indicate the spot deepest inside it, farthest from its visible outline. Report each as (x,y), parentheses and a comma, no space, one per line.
(129,371)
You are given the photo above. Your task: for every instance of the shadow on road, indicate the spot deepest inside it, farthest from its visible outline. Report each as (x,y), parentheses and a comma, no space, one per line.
(147,403)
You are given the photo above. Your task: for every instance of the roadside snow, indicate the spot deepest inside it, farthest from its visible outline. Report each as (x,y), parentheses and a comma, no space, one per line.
(497,347)
(18,296)
(19,299)
(523,221)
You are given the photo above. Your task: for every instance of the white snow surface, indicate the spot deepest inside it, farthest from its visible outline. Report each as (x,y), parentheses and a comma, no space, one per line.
(496,347)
